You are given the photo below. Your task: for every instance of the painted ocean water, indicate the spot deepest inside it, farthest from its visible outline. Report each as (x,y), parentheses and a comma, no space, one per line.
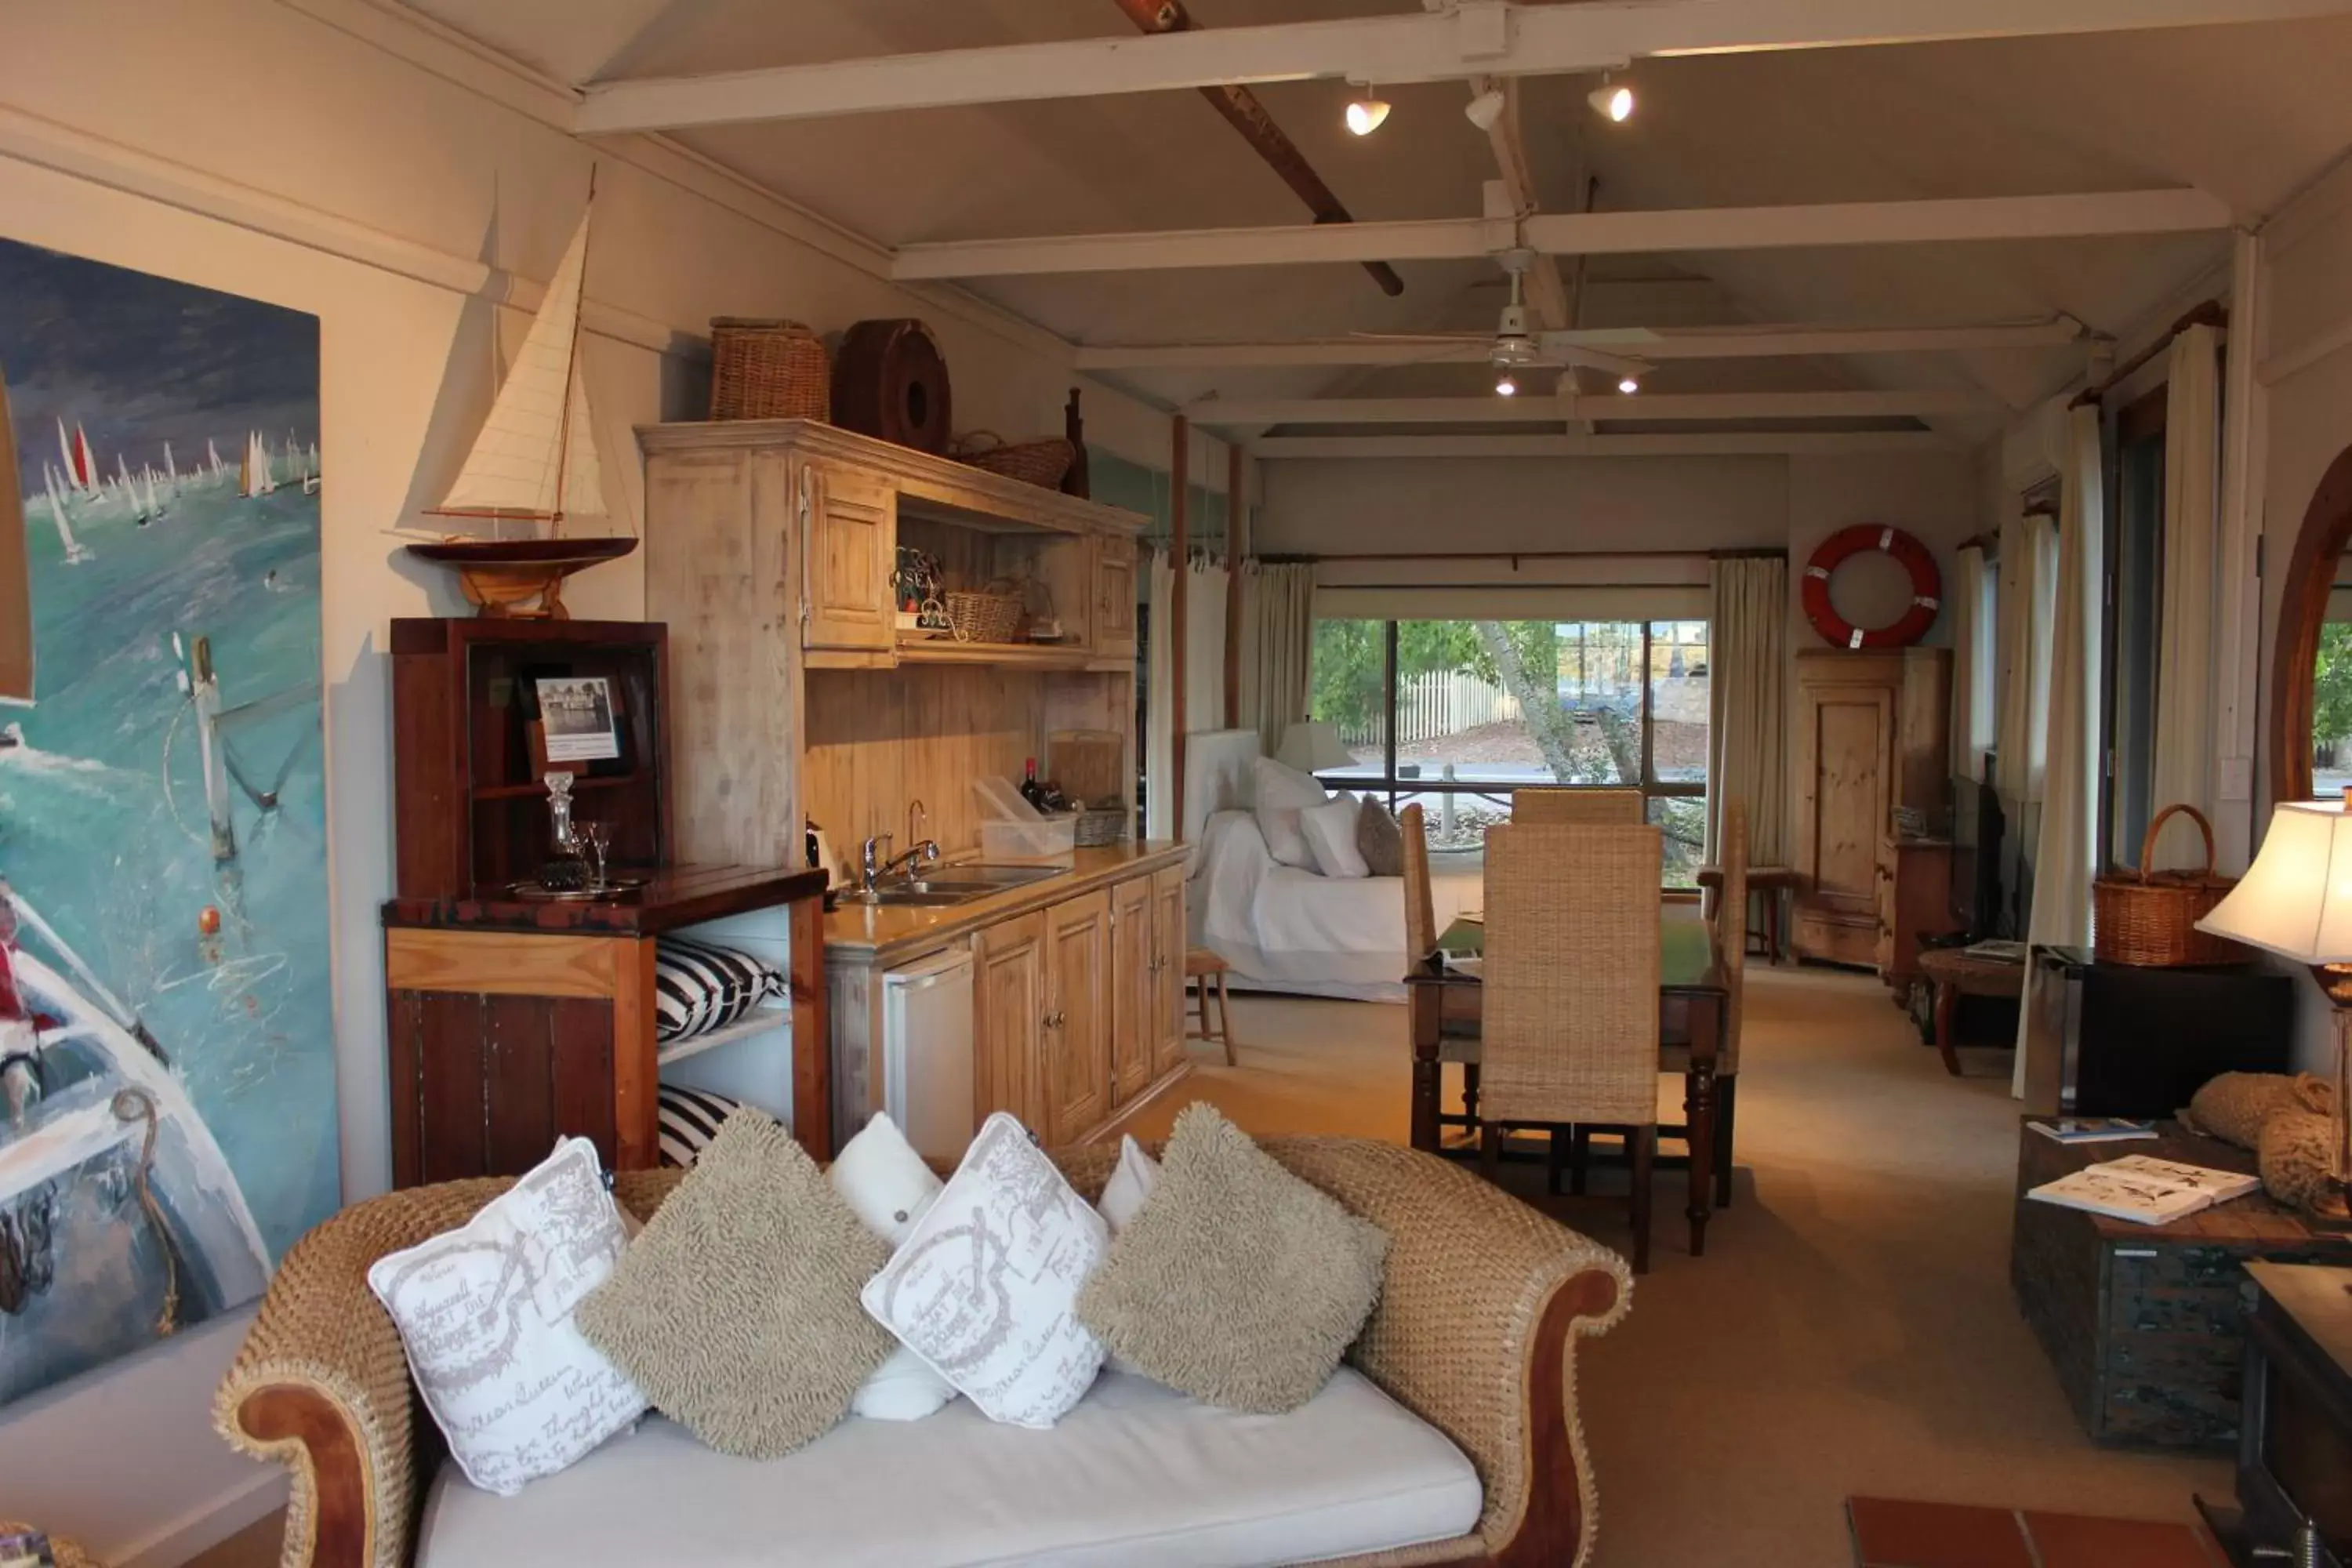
(163,806)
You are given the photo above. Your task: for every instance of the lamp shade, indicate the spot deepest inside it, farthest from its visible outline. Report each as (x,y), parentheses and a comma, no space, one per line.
(1311,745)
(2295,900)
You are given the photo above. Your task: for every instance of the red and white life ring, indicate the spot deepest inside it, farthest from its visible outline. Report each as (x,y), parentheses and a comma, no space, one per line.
(1927,587)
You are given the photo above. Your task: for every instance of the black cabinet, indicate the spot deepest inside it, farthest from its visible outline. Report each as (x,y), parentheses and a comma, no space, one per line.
(2139,1042)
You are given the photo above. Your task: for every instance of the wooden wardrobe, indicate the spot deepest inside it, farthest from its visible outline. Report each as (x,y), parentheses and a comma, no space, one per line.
(1871,734)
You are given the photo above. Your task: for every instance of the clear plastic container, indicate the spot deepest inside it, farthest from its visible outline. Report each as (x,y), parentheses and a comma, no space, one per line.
(1014,833)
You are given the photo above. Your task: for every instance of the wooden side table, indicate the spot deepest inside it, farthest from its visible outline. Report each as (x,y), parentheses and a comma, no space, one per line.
(1956,973)
(1772,883)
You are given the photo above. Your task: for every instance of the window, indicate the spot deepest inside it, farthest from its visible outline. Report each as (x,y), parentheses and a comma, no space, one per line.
(1457,713)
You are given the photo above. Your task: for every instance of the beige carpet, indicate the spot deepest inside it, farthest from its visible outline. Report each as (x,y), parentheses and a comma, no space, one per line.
(1850,1329)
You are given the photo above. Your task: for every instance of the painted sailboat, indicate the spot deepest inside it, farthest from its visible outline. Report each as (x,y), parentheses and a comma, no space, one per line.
(76,551)
(310,478)
(154,506)
(171,469)
(256,479)
(534,462)
(212,455)
(81,1081)
(81,463)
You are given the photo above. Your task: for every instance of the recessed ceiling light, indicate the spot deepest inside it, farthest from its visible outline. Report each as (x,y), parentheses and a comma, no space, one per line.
(1629,386)
(1365,114)
(1614,100)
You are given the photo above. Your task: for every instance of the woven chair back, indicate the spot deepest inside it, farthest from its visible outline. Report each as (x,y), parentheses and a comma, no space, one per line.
(1570,1031)
(1420,907)
(1731,929)
(1551,807)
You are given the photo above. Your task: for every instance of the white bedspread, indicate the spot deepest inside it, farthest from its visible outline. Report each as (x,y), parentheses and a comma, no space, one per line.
(1284,928)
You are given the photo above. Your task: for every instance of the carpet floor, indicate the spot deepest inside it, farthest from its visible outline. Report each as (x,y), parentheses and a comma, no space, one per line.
(1850,1329)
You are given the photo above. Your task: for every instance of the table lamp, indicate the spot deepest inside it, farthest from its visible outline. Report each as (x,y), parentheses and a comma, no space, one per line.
(1312,745)
(2295,901)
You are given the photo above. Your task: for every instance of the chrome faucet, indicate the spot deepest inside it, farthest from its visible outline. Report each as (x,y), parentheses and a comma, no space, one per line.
(877,862)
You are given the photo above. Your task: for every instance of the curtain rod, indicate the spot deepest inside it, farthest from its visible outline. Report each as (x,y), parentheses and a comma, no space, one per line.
(1758,553)
(1494,587)
(2212,313)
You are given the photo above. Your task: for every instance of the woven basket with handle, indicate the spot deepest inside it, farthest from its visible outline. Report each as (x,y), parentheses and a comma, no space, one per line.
(1041,463)
(762,369)
(2149,919)
(993,615)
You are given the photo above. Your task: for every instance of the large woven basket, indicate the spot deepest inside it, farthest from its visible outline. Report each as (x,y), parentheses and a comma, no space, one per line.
(1040,463)
(990,616)
(2149,919)
(765,369)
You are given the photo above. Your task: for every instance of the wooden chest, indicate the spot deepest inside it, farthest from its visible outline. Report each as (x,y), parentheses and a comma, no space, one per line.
(2143,1323)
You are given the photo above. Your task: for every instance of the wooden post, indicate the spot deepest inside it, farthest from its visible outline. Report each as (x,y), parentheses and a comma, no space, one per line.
(1180,486)
(1237,549)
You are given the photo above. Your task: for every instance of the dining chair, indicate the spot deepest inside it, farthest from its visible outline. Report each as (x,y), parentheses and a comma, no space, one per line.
(1570,1030)
(1458,1010)
(1728,921)
(1557,803)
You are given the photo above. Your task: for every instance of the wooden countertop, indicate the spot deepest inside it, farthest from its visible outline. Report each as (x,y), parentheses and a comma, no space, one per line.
(674,897)
(867,932)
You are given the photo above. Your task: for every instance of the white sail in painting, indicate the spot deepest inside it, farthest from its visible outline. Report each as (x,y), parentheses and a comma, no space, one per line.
(212,453)
(76,551)
(255,479)
(536,456)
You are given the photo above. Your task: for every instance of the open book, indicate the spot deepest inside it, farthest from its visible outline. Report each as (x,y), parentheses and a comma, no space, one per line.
(2141,1188)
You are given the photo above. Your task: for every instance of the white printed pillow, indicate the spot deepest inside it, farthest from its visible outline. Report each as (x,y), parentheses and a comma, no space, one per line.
(1330,830)
(699,987)
(485,1312)
(884,1181)
(1282,792)
(986,1289)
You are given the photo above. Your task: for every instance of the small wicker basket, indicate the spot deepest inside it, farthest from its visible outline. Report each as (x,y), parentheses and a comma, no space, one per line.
(768,369)
(1096,828)
(2149,919)
(992,614)
(1039,463)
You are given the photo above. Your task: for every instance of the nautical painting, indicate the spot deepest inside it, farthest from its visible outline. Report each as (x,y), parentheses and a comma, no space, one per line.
(167,1093)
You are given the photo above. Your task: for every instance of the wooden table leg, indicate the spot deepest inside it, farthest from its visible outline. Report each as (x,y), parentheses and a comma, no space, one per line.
(1947,1008)
(1428,1077)
(1698,1112)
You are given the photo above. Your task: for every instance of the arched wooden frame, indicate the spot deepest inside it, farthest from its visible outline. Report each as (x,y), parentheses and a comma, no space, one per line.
(2302,609)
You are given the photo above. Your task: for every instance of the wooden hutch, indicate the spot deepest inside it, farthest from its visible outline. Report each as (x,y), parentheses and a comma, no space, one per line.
(769,550)
(515,1020)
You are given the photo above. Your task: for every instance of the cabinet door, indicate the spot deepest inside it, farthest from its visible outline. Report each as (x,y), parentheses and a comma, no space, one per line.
(1845,750)
(851,528)
(1134,989)
(1115,597)
(1010,1027)
(1077,1017)
(1169,939)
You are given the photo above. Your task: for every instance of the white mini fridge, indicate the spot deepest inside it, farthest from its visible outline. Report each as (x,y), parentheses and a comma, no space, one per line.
(926,1047)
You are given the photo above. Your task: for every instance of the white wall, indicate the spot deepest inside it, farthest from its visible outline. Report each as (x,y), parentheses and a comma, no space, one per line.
(127,131)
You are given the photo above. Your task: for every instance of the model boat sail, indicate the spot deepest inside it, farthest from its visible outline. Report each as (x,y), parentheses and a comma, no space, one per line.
(535,462)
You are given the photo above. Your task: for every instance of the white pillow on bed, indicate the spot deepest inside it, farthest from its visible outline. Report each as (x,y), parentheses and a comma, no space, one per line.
(1282,792)
(1330,830)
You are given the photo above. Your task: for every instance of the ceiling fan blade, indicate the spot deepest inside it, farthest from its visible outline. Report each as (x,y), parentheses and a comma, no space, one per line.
(1422,337)
(1550,352)
(1607,337)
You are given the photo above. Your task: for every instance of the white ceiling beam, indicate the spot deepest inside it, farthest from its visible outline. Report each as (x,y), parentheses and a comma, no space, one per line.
(1802,443)
(1530,409)
(1660,343)
(1472,38)
(2098,214)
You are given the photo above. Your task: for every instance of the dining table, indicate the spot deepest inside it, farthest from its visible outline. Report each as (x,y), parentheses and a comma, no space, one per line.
(1692,981)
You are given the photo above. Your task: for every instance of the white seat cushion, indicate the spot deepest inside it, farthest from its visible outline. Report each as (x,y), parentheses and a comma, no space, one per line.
(1136,1476)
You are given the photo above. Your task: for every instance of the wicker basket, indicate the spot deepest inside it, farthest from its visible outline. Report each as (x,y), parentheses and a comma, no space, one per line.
(768,370)
(1039,463)
(2150,919)
(992,614)
(1098,827)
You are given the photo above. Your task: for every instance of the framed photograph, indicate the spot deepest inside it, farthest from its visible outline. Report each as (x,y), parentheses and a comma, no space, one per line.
(577,716)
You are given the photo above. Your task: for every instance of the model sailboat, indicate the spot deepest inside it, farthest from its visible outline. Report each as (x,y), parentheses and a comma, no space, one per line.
(534,462)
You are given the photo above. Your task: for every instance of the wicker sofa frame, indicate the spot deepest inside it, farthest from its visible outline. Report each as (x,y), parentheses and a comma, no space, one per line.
(1482,1306)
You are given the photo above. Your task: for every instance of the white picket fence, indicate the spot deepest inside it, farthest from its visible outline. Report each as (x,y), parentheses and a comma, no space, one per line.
(1433,706)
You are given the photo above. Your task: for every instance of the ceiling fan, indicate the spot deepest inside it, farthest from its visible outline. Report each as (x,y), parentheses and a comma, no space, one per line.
(1513,345)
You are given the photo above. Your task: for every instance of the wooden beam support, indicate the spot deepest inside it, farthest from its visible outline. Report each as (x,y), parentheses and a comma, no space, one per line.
(1180,539)
(1528,409)
(1766,444)
(1645,343)
(1237,521)
(2079,215)
(1468,38)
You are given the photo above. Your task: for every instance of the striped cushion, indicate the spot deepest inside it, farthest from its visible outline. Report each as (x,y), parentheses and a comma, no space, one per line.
(700,988)
(689,1120)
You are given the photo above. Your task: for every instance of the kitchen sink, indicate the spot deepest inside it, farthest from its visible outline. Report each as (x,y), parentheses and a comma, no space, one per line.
(956,885)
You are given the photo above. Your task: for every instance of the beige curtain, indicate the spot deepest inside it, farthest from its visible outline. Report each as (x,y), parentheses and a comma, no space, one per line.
(1278,647)
(2186,656)
(1747,703)
(1974,708)
(1204,678)
(2066,852)
(2027,602)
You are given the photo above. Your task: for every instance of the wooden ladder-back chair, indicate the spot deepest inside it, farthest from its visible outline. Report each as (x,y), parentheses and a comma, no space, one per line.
(1458,1017)
(1555,804)
(1570,1035)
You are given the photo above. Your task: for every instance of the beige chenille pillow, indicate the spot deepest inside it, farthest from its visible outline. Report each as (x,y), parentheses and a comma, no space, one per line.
(1237,1283)
(736,1311)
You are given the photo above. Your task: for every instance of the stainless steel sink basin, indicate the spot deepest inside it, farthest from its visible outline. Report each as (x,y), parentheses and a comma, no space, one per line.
(955,885)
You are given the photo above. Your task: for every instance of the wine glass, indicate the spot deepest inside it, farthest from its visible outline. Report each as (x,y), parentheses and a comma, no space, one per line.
(596,839)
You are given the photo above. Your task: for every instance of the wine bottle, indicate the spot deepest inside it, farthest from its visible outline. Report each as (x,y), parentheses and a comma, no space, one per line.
(1031,791)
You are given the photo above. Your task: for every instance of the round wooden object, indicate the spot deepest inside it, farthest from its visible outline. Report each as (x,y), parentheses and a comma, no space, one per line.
(888,380)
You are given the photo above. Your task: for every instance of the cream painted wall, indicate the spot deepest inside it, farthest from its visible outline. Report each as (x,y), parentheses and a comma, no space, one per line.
(309,117)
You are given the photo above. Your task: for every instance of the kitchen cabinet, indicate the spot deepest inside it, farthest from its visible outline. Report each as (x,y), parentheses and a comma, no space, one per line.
(1169,938)
(1134,989)
(1010,999)
(1077,1017)
(1915,901)
(850,534)
(1114,617)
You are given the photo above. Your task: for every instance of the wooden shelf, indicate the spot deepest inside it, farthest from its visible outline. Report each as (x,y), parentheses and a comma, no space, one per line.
(760,1020)
(916,648)
(580,783)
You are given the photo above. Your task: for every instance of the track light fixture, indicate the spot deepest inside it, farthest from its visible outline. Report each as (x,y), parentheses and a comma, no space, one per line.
(1365,112)
(1613,101)
(1507,385)
(1485,108)
(1629,386)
